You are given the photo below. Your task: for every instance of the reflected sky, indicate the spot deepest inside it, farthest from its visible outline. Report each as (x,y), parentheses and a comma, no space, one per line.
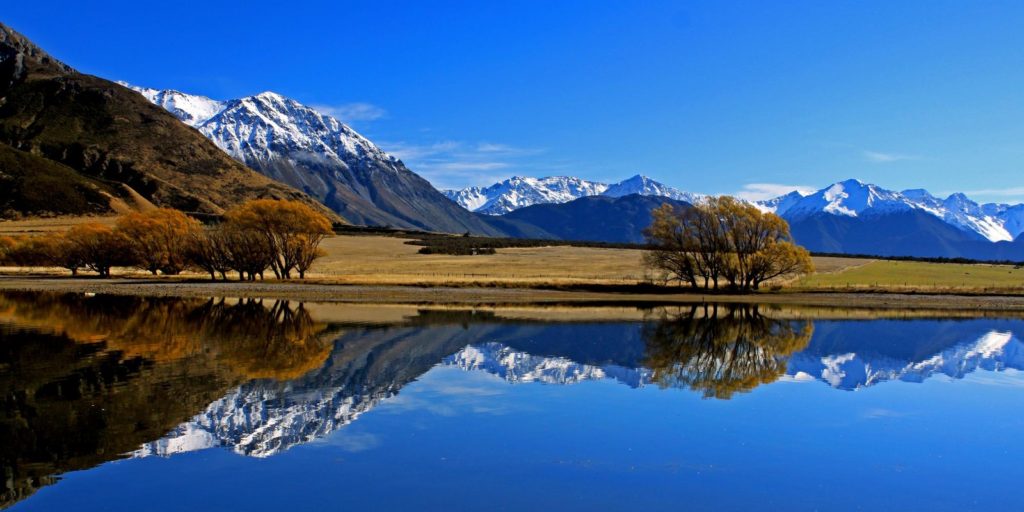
(709,410)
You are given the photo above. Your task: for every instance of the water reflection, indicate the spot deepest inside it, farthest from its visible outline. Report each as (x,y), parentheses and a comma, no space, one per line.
(722,350)
(86,380)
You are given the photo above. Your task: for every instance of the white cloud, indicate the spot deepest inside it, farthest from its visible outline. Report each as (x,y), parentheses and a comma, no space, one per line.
(354,442)
(488,147)
(1001,192)
(466,166)
(456,164)
(351,112)
(763,191)
(415,152)
(879,157)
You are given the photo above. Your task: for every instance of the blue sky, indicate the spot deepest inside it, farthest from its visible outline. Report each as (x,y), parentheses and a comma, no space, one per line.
(708,96)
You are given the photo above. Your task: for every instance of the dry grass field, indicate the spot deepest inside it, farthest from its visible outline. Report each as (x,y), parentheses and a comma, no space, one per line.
(36,226)
(384,260)
(380,260)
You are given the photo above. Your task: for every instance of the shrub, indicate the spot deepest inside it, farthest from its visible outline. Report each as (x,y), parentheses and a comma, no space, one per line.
(7,244)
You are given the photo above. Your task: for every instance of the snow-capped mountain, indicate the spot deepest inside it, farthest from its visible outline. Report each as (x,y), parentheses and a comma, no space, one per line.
(260,127)
(261,419)
(854,198)
(190,109)
(993,351)
(521,367)
(645,186)
(314,152)
(519,192)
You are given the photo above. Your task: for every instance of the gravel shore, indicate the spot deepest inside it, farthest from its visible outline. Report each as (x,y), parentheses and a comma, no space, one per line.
(320,292)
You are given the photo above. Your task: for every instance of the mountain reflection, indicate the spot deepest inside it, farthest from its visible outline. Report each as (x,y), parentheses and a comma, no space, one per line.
(86,380)
(722,350)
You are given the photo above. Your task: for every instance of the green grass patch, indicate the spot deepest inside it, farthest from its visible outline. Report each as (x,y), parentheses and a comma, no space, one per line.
(919,275)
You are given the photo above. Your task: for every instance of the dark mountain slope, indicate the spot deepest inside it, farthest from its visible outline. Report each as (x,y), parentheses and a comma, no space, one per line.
(108,134)
(907,233)
(595,218)
(33,185)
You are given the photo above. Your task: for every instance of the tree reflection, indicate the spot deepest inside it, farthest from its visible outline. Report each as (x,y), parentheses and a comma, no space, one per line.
(86,380)
(722,350)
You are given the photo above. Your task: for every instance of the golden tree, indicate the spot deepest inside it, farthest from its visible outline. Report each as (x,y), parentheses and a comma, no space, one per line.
(100,247)
(46,250)
(210,250)
(160,239)
(673,248)
(290,230)
(247,251)
(723,238)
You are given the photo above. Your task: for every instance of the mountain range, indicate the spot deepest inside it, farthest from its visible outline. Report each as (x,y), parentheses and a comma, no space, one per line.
(262,419)
(519,192)
(321,156)
(77,144)
(72,143)
(858,218)
(315,153)
(853,198)
(850,216)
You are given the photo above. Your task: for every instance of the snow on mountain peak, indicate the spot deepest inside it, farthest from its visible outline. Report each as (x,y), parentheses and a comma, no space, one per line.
(191,109)
(853,198)
(260,127)
(519,192)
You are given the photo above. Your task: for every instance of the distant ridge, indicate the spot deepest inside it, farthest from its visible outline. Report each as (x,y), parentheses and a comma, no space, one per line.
(519,192)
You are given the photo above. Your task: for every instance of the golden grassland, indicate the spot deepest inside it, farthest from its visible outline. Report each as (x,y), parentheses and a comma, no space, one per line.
(46,225)
(384,261)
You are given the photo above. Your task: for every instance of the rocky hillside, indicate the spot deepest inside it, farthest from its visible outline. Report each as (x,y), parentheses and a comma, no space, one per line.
(85,140)
(314,152)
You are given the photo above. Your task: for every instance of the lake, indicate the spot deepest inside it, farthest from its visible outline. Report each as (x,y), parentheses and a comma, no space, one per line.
(121,403)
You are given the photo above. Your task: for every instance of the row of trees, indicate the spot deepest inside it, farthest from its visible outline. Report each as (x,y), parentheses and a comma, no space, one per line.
(283,236)
(722,239)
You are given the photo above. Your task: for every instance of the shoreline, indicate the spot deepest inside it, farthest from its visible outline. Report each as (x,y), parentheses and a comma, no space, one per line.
(495,296)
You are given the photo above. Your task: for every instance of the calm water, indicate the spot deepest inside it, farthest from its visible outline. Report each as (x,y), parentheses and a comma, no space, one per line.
(154,404)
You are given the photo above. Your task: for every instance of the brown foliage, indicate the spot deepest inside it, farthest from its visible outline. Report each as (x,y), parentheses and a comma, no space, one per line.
(7,244)
(160,240)
(99,247)
(290,230)
(723,238)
